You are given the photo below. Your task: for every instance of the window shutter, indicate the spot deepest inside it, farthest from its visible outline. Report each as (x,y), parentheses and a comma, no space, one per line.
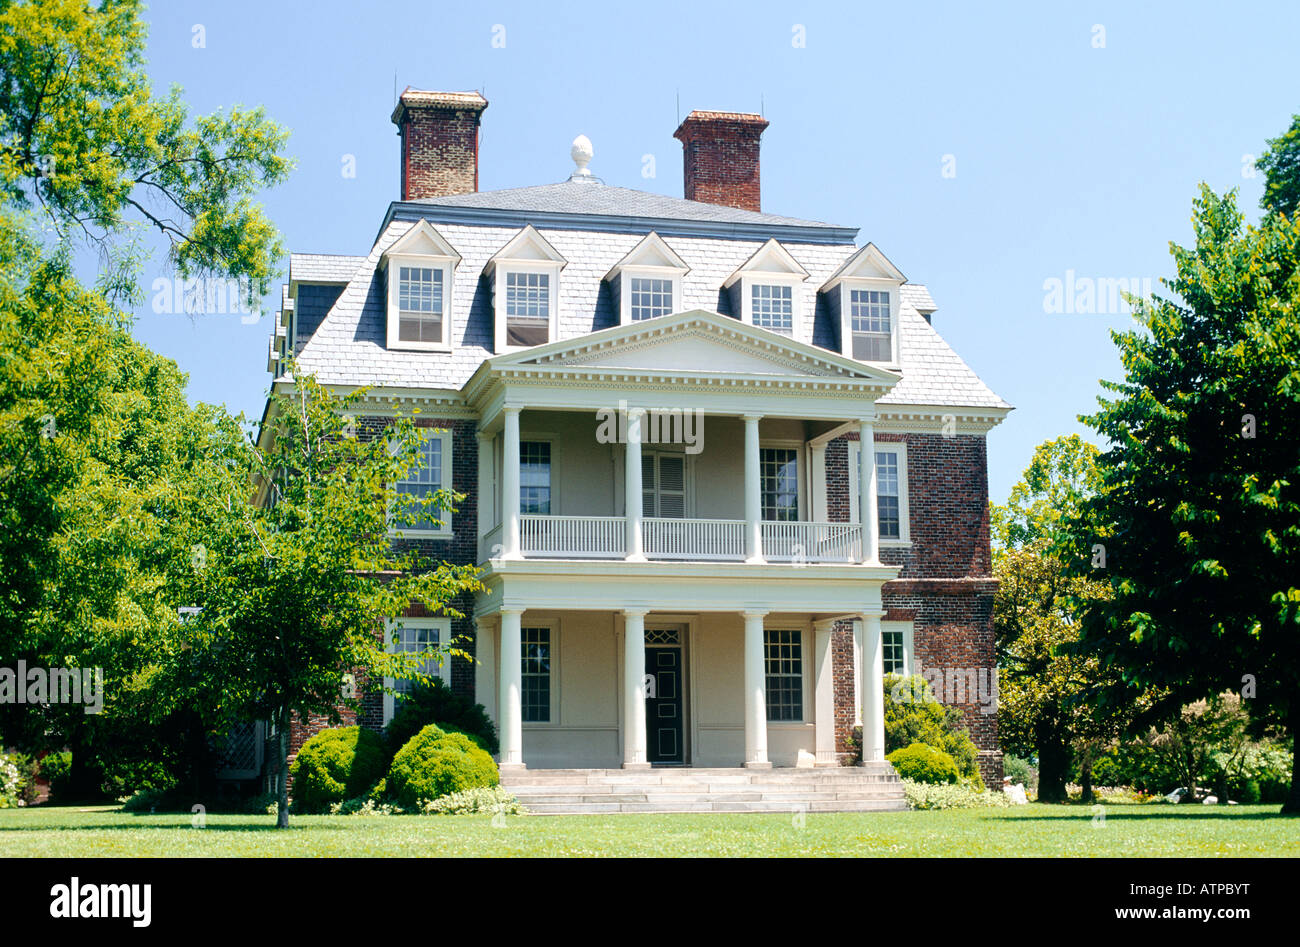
(648,507)
(672,486)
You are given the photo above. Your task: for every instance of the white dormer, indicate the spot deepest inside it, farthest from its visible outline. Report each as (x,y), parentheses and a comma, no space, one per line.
(420,267)
(647,282)
(765,290)
(525,276)
(865,292)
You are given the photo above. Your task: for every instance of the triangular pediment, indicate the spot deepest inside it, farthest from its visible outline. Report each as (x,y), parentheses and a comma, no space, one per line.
(528,246)
(423,240)
(651,253)
(867,263)
(771,259)
(698,342)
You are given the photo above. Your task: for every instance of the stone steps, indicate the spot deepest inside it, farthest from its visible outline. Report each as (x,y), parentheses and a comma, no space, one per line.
(874,788)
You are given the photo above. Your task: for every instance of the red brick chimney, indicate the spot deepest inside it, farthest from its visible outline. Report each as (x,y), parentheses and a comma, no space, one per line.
(720,157)
(439,142)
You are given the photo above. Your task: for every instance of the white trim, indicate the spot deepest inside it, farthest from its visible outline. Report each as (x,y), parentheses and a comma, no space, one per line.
(552,625)
(444,665)
(445,482)
(845,288)
(909,646)
(406,252)
(674,278)
(904,516)
(526,252)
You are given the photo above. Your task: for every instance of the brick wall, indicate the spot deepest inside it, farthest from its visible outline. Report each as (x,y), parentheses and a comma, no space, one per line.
(720,158)
(945,586)
(439,152)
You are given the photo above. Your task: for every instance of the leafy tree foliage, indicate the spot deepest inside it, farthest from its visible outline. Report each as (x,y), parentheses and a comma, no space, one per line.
(1281,167)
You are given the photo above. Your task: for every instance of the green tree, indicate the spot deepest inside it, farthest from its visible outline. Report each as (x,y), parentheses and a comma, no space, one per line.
(1281,167)
(83,139)
(297,584)
(1198,507)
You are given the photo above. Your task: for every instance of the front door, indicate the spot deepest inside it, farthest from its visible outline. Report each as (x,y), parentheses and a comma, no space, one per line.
(665,724)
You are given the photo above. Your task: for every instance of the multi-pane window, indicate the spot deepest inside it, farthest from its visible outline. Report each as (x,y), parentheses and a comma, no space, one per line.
(528,308)
(415,640)
(779,467)
(535,695)
(772,307)
(424,479)
(892,645)
(419,303)
(783,664)
(871,324)
(535,477)
(887,494)
(651,297)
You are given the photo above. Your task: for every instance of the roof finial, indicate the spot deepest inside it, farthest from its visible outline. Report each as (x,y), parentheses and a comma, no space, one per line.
(581,153)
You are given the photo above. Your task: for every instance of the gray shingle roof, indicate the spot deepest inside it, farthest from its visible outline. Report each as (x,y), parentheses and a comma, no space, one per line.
(349,346)
(323,267)
(570,197)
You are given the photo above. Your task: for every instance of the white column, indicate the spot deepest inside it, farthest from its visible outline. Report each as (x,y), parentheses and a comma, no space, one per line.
(755,693)
(753,491)
(485,665)
(632,500)
(634,696)
(857,673)
(510,483)
(510,680)
(868,515)
(873,686)
(824,706)
(817,482)
(484,499)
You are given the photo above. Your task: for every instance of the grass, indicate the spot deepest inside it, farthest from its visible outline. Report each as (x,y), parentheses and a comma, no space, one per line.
(1153,830)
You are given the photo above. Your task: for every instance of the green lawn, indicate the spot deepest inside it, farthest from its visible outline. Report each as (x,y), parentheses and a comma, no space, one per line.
(1024,830)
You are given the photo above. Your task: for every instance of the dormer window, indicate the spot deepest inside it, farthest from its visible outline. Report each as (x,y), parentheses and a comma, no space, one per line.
(864,294)
(872,325)
(765,290)
(647,282)
(525,276)
(419,269)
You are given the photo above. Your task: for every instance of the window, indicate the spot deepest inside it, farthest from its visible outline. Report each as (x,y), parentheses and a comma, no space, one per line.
(535,477)
(892,645)
(783,664)
(431,474)
(663,485)
(779,468)
(651,297)
(419,304)
(772,307)
(415,636)
(887,499)
(528,308)
(536,689)
(419,267)
(891,490)
(869,314)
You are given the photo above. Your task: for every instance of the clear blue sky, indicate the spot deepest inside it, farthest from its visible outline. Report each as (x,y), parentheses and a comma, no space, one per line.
(1067,156)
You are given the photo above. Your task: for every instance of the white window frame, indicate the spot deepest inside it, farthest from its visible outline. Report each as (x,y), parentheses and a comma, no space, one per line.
(499,280)
(845,289)
(394,263)
(801,485)
(751,279)
(908,631)
(806,681)
(445,483)
(553,442)
(900,447)
(553,627)
(672,275)
(443,625)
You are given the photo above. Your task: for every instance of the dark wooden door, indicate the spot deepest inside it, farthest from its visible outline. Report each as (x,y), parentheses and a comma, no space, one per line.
(663,718)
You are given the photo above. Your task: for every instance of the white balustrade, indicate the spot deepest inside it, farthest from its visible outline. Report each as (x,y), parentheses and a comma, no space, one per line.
(670,538)
(812,542)
(572,537)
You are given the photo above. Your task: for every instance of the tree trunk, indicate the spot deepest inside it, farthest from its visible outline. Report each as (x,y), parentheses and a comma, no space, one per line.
(282,808)
(1292,804)
(1053,770)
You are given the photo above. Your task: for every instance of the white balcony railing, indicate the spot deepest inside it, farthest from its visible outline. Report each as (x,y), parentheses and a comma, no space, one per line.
(812,542)
(591,537)
(665,538)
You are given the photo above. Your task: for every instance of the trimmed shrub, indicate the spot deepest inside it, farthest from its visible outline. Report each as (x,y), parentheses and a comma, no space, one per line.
(434,702)
(336,764)
(914,715)
(434,763)
(924,764)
